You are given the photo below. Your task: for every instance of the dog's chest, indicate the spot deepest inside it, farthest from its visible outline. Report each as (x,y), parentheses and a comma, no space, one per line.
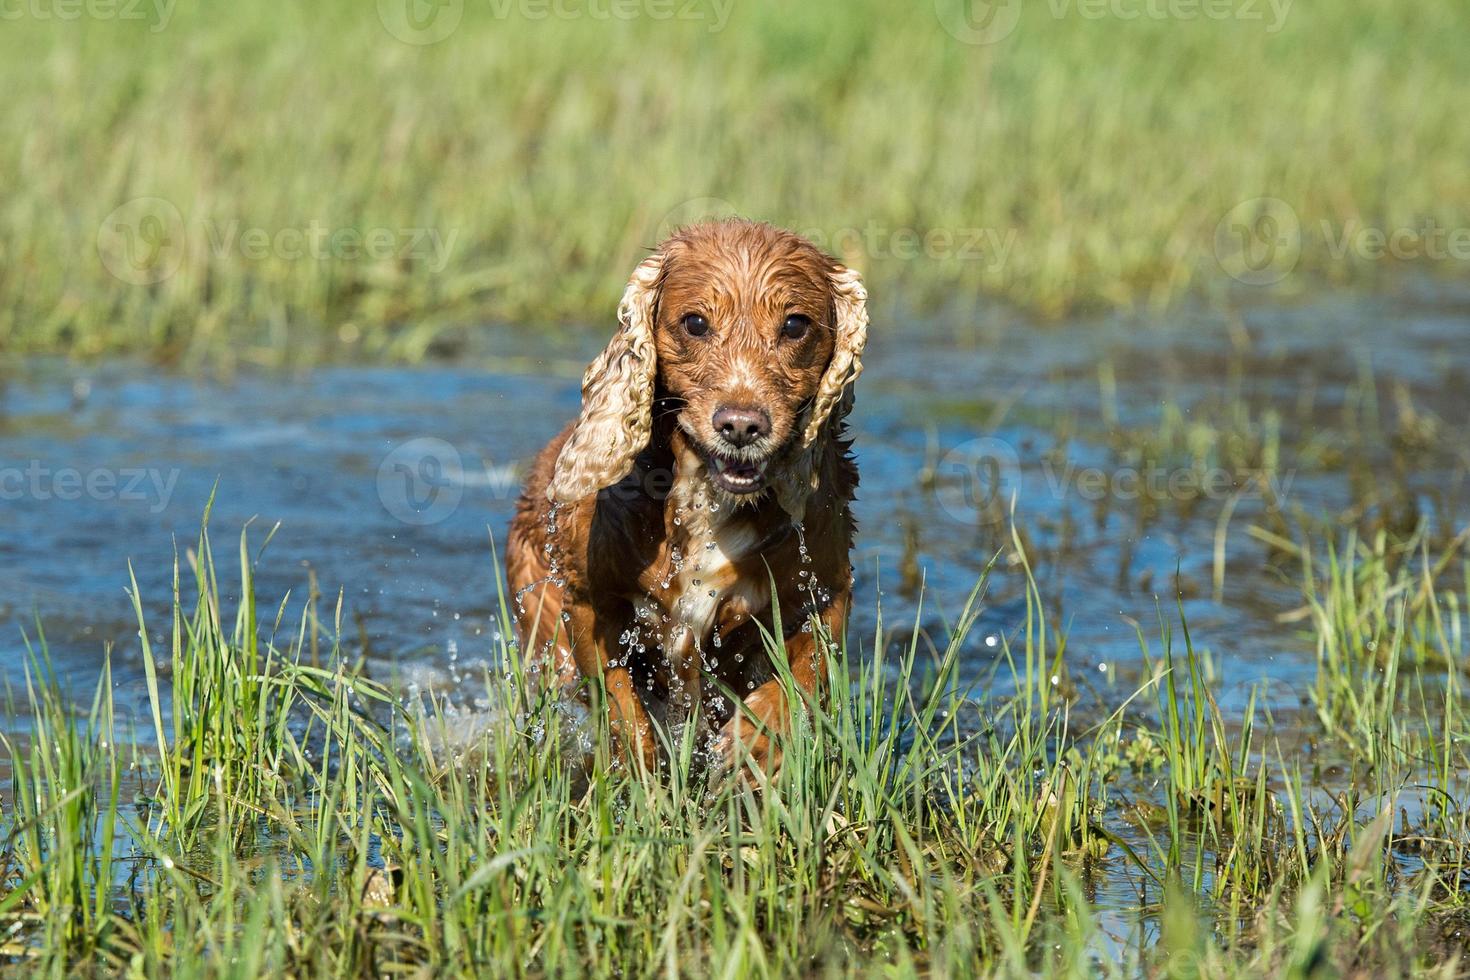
(707,582)
(709,577)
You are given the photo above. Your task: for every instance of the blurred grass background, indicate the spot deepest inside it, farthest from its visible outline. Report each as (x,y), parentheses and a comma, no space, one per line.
(1079,161)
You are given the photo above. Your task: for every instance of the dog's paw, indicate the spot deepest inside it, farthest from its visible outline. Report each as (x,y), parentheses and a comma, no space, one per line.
(741,748)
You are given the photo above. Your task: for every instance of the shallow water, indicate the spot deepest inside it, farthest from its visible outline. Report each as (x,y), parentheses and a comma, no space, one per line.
(388,484)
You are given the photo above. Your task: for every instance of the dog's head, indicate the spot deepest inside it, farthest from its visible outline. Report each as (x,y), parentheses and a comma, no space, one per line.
(749,334)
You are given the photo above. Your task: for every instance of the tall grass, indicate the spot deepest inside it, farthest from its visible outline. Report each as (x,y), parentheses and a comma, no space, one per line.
(1080,161)
(291,818)
(294,827)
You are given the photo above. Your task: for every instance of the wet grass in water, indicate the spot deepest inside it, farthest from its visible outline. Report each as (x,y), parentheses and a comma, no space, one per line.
(276,816)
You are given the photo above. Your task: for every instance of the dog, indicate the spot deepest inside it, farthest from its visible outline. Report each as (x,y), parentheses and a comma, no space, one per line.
(702,496)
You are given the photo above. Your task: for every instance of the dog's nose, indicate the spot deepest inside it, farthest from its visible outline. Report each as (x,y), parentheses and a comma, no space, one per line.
(741,426)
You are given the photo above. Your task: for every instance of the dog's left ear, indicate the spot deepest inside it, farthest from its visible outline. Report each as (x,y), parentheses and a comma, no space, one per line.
(617,397)
(850,307)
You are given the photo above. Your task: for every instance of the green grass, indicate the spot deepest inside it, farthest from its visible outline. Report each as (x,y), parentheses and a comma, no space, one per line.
(271,816)
(1100,153)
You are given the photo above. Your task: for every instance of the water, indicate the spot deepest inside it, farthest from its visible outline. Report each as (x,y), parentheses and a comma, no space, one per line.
(389,483)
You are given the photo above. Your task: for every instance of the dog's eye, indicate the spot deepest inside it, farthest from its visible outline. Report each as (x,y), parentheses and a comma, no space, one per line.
(795,326)
(695,325)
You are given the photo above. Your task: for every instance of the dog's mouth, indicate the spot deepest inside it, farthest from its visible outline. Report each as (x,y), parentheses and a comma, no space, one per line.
(737,476)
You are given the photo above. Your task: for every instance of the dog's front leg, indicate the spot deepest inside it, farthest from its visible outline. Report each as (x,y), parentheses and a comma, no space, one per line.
(594,636)
(752,734)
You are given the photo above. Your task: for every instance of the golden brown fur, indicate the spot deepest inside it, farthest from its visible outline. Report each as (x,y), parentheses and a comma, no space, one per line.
(641,550)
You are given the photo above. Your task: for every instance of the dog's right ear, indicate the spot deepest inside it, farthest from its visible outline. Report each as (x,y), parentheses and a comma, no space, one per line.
(617,397)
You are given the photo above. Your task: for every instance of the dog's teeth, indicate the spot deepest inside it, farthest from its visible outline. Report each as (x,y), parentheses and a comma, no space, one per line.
(736,475)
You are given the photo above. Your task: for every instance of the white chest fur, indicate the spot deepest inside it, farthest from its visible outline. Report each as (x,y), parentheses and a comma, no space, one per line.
(704,576)
(709,577)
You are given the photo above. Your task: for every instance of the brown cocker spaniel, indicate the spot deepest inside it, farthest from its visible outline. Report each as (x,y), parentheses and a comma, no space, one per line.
(708,468)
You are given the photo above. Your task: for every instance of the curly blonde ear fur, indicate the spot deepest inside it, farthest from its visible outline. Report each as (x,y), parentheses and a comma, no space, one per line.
(617,397)
(850,301)
(834,392)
